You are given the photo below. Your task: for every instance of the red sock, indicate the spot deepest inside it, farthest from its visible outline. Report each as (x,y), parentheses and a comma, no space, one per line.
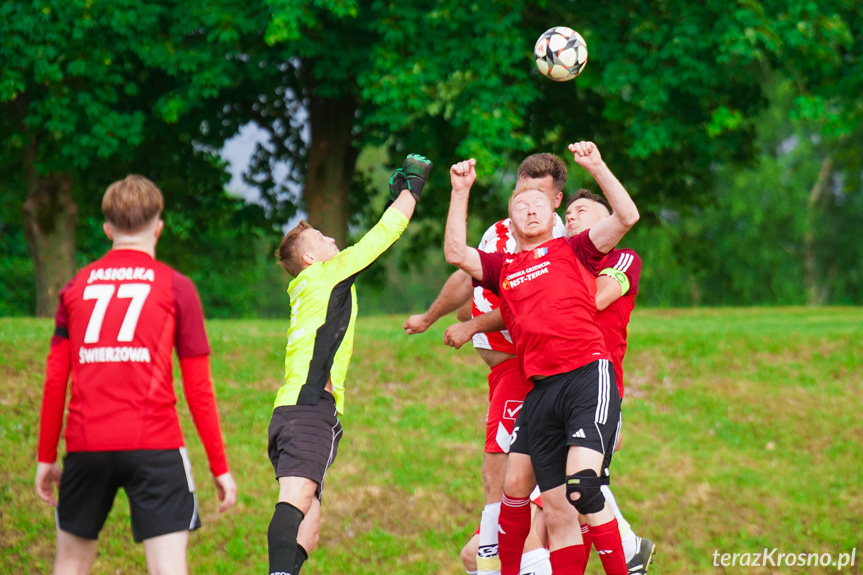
(588,542)
(568,560)
(606,539)
(514,525)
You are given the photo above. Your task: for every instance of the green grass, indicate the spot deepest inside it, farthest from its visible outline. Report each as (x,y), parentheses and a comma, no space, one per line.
(742,431)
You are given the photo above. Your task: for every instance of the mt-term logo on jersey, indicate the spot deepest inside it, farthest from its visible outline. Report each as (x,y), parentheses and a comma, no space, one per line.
(121,274)
(513,280)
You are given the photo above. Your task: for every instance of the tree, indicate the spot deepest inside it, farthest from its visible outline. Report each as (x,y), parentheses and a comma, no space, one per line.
(84,82)
(670,91)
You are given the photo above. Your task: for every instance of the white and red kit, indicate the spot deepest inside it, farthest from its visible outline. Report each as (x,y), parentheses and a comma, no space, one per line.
(624,266)
(117,322)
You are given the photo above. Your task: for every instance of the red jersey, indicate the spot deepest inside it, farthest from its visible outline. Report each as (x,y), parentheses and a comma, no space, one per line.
(548,300)
(625,266)
(499,238)
(117,322)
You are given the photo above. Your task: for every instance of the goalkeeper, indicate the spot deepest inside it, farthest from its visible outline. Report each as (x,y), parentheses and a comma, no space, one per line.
(304,430)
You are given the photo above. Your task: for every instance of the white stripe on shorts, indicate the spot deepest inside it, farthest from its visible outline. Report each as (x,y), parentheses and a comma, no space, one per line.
(330,458)
(190,481)
(603,392)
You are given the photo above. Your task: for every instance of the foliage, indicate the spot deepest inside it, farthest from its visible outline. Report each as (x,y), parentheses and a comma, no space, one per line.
(681,97)
(16,268)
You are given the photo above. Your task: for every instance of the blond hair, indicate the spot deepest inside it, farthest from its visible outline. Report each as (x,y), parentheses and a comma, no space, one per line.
(291,249)
(131,203)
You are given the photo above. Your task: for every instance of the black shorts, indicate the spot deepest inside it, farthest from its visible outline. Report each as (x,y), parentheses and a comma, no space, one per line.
(304,440)
(581,407)
(158,483)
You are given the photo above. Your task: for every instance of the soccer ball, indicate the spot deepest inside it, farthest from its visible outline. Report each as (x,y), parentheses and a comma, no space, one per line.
(561,53)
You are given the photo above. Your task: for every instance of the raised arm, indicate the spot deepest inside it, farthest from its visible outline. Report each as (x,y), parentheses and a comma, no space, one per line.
(456,250)
(455,292)
(405,186)
(607,232)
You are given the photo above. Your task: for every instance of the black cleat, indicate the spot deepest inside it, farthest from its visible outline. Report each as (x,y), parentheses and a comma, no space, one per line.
(640,562)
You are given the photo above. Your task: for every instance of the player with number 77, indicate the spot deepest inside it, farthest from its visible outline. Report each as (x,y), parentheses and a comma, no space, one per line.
(118,321)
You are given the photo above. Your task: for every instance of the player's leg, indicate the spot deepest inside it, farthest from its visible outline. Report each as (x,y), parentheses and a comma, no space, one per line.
(535,559)
(468,554)
(564,537)
(493,471)
(303,442)
(514,521)
(75,555)
(592,428)
(507,391)
(639,552)
(295,500)
(166,554)
(548,450)
(307,536)
(163,505)
(88,486)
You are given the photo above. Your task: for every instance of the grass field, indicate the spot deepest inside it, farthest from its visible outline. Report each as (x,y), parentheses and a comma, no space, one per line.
(743,430)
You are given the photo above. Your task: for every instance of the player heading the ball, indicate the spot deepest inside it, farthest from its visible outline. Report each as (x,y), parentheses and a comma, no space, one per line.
(565,434)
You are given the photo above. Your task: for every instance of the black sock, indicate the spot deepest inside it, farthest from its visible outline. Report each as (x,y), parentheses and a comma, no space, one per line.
(282,538)
(300,558)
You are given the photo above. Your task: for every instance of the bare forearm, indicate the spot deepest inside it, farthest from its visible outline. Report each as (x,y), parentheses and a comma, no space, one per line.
(455,292)
(622,205)
(456,250)
(455,236)
(405,203)
(488,322)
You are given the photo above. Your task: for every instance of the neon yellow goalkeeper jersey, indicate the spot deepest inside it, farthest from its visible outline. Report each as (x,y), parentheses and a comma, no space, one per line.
(323,311)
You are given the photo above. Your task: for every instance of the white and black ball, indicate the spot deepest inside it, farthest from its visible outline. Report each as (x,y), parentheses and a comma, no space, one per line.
(560,53)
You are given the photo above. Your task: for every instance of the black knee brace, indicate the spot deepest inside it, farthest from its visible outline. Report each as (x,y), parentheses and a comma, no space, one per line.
(586,483)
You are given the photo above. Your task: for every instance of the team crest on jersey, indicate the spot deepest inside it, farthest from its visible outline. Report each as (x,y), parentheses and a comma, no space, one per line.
(505,284)
(539,252)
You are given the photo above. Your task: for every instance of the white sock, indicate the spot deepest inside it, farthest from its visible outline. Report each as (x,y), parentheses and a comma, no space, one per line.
(470,572)
(627,535)
(630,543)
(536,562)
(487,559)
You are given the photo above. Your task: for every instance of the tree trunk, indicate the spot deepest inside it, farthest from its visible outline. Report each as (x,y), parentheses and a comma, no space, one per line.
(814,295)
(49,224)
(332,159)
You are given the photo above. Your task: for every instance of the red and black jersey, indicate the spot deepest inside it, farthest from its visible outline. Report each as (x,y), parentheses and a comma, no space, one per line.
(548,301)
(625,266)
(117,323)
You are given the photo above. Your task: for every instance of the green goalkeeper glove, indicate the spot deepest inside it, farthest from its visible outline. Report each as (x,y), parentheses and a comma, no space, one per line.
(398,182)
(416,170)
